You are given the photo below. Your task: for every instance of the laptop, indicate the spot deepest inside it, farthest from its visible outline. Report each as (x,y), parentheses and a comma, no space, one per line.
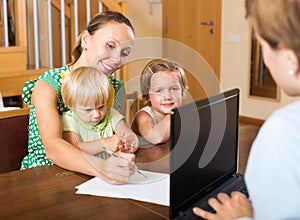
(204,153)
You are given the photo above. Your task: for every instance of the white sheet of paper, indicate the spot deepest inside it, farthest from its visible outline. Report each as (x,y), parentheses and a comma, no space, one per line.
(154,189)
(151,177)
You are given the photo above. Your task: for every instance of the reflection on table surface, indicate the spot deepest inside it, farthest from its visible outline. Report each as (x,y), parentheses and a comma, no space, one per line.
(154,158)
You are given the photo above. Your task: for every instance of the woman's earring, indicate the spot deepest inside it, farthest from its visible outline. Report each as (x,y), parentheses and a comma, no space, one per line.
(84,47)
(291,72)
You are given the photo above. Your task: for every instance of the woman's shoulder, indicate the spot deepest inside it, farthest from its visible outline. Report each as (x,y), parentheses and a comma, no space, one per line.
(117,84)
(59,72)
(282,124)
(52,76)
(114,80)
(50,72)
(288,114)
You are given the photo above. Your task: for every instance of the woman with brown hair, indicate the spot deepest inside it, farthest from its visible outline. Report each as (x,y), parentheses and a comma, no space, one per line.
(105,44)
(272,174)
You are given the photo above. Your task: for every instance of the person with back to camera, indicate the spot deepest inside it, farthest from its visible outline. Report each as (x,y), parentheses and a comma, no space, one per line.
(106,43)
(272,174)
(163,83)
(86,91)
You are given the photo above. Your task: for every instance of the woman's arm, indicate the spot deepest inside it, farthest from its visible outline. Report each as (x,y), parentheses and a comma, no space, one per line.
(154,133)
(62,153)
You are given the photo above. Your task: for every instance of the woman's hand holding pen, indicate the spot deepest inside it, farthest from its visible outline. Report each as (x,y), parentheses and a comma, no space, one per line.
(119,169)
(119,166)
(124,156)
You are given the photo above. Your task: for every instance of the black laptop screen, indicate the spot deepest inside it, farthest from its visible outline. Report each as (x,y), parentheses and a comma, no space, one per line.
(203,147)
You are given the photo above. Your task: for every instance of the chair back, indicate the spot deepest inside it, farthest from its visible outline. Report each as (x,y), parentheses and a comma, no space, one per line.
(13,139)
(133,105)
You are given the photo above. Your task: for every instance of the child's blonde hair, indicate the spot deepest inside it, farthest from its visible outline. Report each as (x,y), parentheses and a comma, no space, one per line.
(156,65)
(85,86)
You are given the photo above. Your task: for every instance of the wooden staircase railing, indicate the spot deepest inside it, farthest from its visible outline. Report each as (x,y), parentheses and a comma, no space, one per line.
(14,69)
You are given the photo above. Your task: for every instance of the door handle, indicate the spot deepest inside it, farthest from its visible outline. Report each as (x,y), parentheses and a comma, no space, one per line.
(209,23)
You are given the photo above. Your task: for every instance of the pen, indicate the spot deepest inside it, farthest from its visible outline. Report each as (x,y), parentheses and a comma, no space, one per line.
(115,155)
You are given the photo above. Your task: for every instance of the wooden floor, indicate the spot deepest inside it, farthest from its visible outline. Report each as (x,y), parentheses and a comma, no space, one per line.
(247,134)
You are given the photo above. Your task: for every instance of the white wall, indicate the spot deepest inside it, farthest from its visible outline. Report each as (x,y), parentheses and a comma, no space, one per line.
(146,19)
(235,57)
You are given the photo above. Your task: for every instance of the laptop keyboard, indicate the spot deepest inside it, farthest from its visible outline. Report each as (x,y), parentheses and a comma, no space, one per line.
(234,184)
(240,187)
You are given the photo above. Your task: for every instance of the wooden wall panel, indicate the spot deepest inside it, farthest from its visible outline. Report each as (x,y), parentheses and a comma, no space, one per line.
(12,59)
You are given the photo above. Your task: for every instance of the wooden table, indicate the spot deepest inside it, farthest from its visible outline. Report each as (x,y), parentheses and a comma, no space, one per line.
(49,193)
(154,158)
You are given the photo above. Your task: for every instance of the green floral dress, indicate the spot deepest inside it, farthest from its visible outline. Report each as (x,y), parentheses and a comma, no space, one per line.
(36,152)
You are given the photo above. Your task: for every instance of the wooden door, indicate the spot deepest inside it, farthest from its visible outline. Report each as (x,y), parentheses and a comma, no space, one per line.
(196,24)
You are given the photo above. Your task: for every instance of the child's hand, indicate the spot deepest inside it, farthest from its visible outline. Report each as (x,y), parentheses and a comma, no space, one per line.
(130,143)
(126,156)
(113,143)
(127,148)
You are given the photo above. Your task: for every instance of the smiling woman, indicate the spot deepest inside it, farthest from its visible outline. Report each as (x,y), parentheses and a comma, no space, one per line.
(103,43)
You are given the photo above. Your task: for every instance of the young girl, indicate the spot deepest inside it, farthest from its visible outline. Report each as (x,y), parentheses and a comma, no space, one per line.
(106,43)
(163,84)
(86,91)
